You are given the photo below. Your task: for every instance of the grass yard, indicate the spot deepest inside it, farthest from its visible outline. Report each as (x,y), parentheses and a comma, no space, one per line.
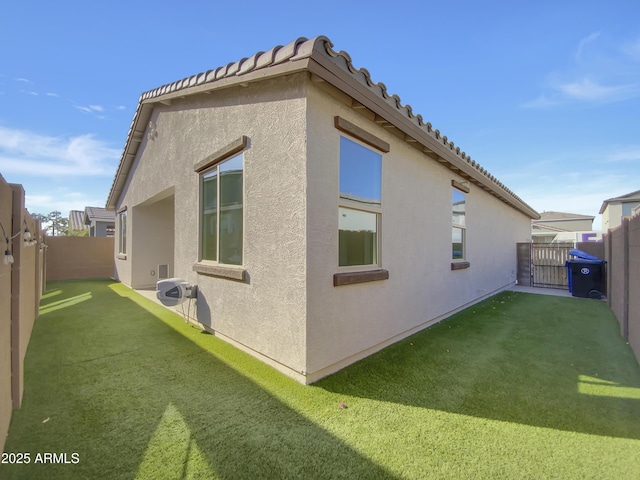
(519,386)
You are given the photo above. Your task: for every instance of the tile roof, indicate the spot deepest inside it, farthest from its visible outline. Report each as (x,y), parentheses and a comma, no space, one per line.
(76,220)
(99,214)
(317,56)
(559,216)
(536,227)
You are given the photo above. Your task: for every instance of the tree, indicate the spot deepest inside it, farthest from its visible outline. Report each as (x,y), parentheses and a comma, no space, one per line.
(53,223)
(39,217)
(77,232)
(59,224)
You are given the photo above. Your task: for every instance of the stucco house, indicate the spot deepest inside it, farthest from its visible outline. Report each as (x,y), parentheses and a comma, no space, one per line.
(76,220)
(559,227)
(320,218)
(99,221)
(613,210)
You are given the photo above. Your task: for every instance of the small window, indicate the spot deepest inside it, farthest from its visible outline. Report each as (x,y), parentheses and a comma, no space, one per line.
(122,232)
(222,212)
(360,204)
(458,237)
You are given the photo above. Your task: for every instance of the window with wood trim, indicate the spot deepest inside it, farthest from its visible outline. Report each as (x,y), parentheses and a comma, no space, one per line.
(221,214)
(122,232)
(459,229)
(360,205)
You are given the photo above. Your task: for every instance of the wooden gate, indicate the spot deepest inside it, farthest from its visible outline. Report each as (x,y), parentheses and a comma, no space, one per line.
(543,264)
(548,264)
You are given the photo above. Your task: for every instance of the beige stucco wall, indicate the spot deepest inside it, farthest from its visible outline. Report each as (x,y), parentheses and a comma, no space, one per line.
(578,225)
(266,313)
(71,258)
(21,287)
(612,216)
(348,322)
(288,312)
(29,300)
(153,239)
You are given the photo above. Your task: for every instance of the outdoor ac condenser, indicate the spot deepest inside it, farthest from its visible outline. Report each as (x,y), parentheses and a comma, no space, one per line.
(174,291)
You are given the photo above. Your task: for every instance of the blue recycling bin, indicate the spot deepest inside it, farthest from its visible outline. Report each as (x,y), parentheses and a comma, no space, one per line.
(586,275)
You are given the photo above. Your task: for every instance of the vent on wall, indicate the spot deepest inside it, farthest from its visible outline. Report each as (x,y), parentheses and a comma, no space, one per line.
(163,271)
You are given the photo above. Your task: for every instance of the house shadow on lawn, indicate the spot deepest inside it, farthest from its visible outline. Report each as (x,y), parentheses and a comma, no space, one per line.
(137,399)
(544,361)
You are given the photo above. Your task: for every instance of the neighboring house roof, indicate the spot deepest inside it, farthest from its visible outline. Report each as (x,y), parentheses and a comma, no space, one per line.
(548,228)
(76,220)
(629,197)
(98,214)
(562,217)
(318,57)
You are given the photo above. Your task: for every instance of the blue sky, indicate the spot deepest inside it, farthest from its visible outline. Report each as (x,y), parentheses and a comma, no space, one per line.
(545,95)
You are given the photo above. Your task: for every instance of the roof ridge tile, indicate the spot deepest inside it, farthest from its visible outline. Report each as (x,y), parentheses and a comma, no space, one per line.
(266,58)
(249,64)
(288,51)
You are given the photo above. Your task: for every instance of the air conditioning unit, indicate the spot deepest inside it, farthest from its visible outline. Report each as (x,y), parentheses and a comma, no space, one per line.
(174,291)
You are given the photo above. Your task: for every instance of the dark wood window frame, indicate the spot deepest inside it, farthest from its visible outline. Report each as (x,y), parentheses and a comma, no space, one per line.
(351,278)
(238,274)
(220,271)
(363,276)
(463,187)
(121,255)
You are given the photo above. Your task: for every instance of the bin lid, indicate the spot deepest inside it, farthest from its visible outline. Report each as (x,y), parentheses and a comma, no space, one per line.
(574,252)
(584,261)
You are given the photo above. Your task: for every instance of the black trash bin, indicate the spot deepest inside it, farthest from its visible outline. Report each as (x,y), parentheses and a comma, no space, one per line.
(586,277)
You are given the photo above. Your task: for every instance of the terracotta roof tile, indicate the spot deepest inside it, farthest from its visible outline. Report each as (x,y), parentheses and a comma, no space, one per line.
(302,48)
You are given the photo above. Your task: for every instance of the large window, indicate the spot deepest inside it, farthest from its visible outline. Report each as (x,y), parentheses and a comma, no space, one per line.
(221,219)
(122,232)
(458,241)
(360,205)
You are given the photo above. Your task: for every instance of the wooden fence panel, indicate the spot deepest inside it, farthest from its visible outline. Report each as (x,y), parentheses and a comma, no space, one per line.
(548,263)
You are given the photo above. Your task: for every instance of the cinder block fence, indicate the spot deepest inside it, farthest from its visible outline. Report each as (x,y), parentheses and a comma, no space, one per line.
(21,285)
(622,252)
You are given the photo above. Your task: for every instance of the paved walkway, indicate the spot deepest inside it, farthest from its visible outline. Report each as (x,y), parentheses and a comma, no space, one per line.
(150,293)
(541,291)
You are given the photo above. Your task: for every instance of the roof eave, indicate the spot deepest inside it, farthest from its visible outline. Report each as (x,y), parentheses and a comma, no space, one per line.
(629,197)
(569,219)
(438,148)
(150,99)
(316,56)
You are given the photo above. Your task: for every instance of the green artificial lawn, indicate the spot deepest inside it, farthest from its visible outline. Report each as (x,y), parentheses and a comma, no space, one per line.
(519,386)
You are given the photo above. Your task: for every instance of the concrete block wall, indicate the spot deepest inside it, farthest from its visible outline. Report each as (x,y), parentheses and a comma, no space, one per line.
(622,252)
(20,292)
